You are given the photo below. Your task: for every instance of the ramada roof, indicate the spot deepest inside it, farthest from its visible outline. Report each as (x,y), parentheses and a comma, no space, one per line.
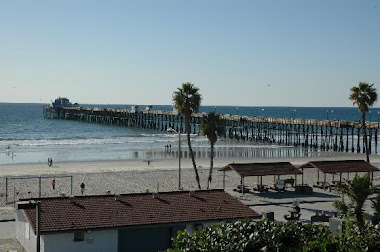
(109,211)
(262,169)
(341,166)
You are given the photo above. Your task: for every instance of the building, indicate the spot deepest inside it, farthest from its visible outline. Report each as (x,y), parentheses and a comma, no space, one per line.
(127,222)
(63,102)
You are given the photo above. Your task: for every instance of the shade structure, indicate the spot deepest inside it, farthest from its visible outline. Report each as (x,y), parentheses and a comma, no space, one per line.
(260,169)
(340,166)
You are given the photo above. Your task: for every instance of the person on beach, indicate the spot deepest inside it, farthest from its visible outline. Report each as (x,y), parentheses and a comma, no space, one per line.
(8,150)
(148,161)
(82,186)
(53,184)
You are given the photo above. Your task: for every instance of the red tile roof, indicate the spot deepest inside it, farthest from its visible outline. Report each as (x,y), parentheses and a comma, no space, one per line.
(103,211)
(262,169)
(339,166)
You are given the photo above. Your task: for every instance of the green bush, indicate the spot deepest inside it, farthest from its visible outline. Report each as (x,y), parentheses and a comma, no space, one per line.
(376,204)
(267,235)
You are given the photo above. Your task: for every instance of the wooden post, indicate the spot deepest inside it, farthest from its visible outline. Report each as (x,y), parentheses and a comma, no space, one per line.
(324,181)
(358,143)
(224,179)
(318,175)
(242,185)
(6,190)
(346,139)
(352,140)
(375,136)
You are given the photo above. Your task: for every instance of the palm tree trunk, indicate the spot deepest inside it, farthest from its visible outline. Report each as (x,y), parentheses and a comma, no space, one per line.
(359,216)
(191,152)
(365,136)
(211,166)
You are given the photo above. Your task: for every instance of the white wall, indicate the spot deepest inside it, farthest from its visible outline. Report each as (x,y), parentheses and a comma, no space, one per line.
(94,241)
(97,241)
(22,229)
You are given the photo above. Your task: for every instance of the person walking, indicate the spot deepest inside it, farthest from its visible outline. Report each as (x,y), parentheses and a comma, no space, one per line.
(53,184)
(82,186)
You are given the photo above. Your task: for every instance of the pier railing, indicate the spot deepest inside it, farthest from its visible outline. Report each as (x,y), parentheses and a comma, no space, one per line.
(325,135)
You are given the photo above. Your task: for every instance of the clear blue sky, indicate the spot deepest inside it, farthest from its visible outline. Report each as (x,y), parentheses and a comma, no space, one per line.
(138,52)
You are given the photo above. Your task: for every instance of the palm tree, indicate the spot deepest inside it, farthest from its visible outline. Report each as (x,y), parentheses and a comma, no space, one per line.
(364,96)
(212,126)
(187,100)
(357,191)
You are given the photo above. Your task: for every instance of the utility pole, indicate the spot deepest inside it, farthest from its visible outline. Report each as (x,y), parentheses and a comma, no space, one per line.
(38,224)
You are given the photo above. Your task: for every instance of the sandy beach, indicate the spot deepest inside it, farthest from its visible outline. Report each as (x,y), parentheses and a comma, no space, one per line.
(134,176)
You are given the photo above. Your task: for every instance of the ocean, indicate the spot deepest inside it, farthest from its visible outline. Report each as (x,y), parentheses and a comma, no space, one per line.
(33,139)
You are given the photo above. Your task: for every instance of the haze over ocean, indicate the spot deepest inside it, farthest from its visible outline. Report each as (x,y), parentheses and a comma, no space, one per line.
(33,139)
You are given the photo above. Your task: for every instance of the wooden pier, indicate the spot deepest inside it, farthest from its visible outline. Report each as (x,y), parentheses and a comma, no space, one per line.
(324,135)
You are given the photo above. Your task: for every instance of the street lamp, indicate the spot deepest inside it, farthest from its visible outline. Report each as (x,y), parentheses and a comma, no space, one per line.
(179,151)
(262,111)
(332,115)
(370,115)
(327,114)
(237,110)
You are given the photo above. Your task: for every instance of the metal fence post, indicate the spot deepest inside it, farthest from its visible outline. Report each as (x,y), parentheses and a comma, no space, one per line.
(39,186)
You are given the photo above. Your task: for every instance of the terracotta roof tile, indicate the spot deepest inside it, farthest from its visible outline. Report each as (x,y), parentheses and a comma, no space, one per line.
(103,211)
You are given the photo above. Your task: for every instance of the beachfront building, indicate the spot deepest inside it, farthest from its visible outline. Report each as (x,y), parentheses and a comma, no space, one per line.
(127,222)
(62,102)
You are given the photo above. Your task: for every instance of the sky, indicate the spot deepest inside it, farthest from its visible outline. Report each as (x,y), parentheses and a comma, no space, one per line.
(237,52)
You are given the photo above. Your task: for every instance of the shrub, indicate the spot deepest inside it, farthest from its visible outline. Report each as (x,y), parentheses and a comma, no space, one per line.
(266,235)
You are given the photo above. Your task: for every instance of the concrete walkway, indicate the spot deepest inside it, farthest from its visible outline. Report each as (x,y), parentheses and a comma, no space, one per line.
(281,202)
(8,240)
